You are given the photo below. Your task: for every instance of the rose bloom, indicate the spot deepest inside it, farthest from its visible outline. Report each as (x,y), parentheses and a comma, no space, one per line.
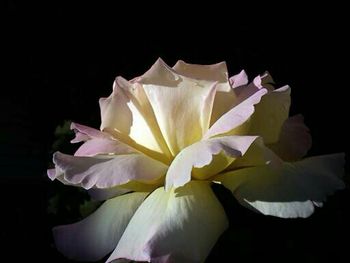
(165,137)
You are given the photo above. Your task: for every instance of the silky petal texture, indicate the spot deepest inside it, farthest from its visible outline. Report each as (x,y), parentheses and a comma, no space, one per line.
(225,97)
(180,225)
(236,116)
(270,114)
(294,141)
(97,142)
(200,154)
(291,191)
(128,116)
(107,171)
(182,105)
(97,235)
(84,133)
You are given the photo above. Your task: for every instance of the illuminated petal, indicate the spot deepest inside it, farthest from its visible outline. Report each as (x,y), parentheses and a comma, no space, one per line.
(270,114)
(128,116)
(181,105)
(107,171)
(289,192)
(84,133)
(236,116)
(180,225)
(225,97)
(201,153)
(97,235)
(294,141)
(238,80)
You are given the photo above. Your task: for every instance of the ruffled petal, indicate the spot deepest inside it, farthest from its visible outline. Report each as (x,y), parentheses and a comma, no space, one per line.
(182,105)
(128,116)
(84,133)
(106,171)
(97,235)
(288,192)
(294,141)
(236,116)
(180,225)
(239,79)
(201,154)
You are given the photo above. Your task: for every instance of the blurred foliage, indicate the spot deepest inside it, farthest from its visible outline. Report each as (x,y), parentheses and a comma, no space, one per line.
(68,203)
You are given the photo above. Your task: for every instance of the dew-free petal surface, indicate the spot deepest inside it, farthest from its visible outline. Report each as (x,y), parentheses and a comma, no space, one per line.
(180,225)
(97,235)
(288,192)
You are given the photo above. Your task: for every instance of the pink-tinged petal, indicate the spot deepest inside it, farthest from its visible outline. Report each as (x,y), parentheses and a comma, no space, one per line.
(239,80)
(97,146)
(201,154)
(294,141)
(128,116)
(84,133)
(181,225)
(270,114)
(97,235)
(107,171)
(236,116)
(290,192)
(182,105)
(245,91)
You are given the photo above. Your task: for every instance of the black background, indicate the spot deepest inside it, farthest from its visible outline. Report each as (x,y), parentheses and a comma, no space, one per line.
(58,59)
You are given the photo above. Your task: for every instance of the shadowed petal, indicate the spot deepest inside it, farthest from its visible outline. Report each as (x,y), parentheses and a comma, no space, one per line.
(294,141)
(94,237)
(289,192)
(180,225)
(201,153)
(270,114)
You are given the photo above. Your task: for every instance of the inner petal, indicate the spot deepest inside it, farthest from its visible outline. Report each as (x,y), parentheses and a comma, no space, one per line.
(182,105)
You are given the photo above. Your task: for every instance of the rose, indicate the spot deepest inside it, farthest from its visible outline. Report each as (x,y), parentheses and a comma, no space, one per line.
(185,127)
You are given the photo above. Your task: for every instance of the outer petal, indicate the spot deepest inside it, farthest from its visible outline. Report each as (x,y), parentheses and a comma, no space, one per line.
(129,117)
(84,133)
(103,146)
(181,225)
(290,192)
(94,237)
(270,114)
(201,153)
(106,171)
(97,142)
(239,80)
(294,141)
(236,116)
(257,154)
(182,105)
